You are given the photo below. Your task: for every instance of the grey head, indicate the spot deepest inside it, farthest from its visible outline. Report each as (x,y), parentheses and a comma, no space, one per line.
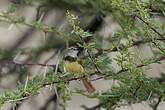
(71,54)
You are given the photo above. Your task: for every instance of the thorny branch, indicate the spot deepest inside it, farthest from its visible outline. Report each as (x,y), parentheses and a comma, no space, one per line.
(161,35)
(157,104)
(135,43)
(53,65)
(90,56)
(124,70)
(97,68)
(95,73)
(42,27)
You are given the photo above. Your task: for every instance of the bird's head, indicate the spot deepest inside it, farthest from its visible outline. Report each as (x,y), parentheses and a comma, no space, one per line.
(71,54)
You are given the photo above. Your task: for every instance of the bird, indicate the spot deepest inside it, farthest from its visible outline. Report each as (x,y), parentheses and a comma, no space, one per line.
(73,66)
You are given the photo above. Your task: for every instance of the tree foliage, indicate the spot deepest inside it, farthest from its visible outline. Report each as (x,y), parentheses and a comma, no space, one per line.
(138,26)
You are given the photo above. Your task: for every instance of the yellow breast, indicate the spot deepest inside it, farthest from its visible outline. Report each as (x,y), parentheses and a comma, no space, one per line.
(73,67)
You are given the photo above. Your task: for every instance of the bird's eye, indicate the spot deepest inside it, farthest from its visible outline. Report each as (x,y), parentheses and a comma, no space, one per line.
(73,48)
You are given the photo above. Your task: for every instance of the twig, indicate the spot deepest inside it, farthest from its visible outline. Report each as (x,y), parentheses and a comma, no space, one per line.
(157,104)
(135,43)
(162,50)
(161,35)
(104,74)
(77,78)
(26,64)
(43,27)
(52,65)
(90,56)
(124,70)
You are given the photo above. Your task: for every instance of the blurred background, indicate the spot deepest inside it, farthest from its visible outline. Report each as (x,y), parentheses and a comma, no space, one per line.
(48,48)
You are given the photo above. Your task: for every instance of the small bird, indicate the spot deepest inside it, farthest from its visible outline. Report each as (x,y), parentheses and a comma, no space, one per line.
(72,65)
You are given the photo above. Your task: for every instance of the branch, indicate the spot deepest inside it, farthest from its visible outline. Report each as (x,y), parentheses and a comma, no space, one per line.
(157,104)
(161,35)
(97,72)
(40,26)
(26,95)
(25,64)
(124,70)
(162,50)
(135,43)
(90,56)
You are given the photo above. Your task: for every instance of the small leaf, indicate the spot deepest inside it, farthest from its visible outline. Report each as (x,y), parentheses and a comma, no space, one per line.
(86,34)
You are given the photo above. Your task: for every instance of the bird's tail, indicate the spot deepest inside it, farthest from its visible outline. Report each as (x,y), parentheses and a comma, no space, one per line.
(88,85)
